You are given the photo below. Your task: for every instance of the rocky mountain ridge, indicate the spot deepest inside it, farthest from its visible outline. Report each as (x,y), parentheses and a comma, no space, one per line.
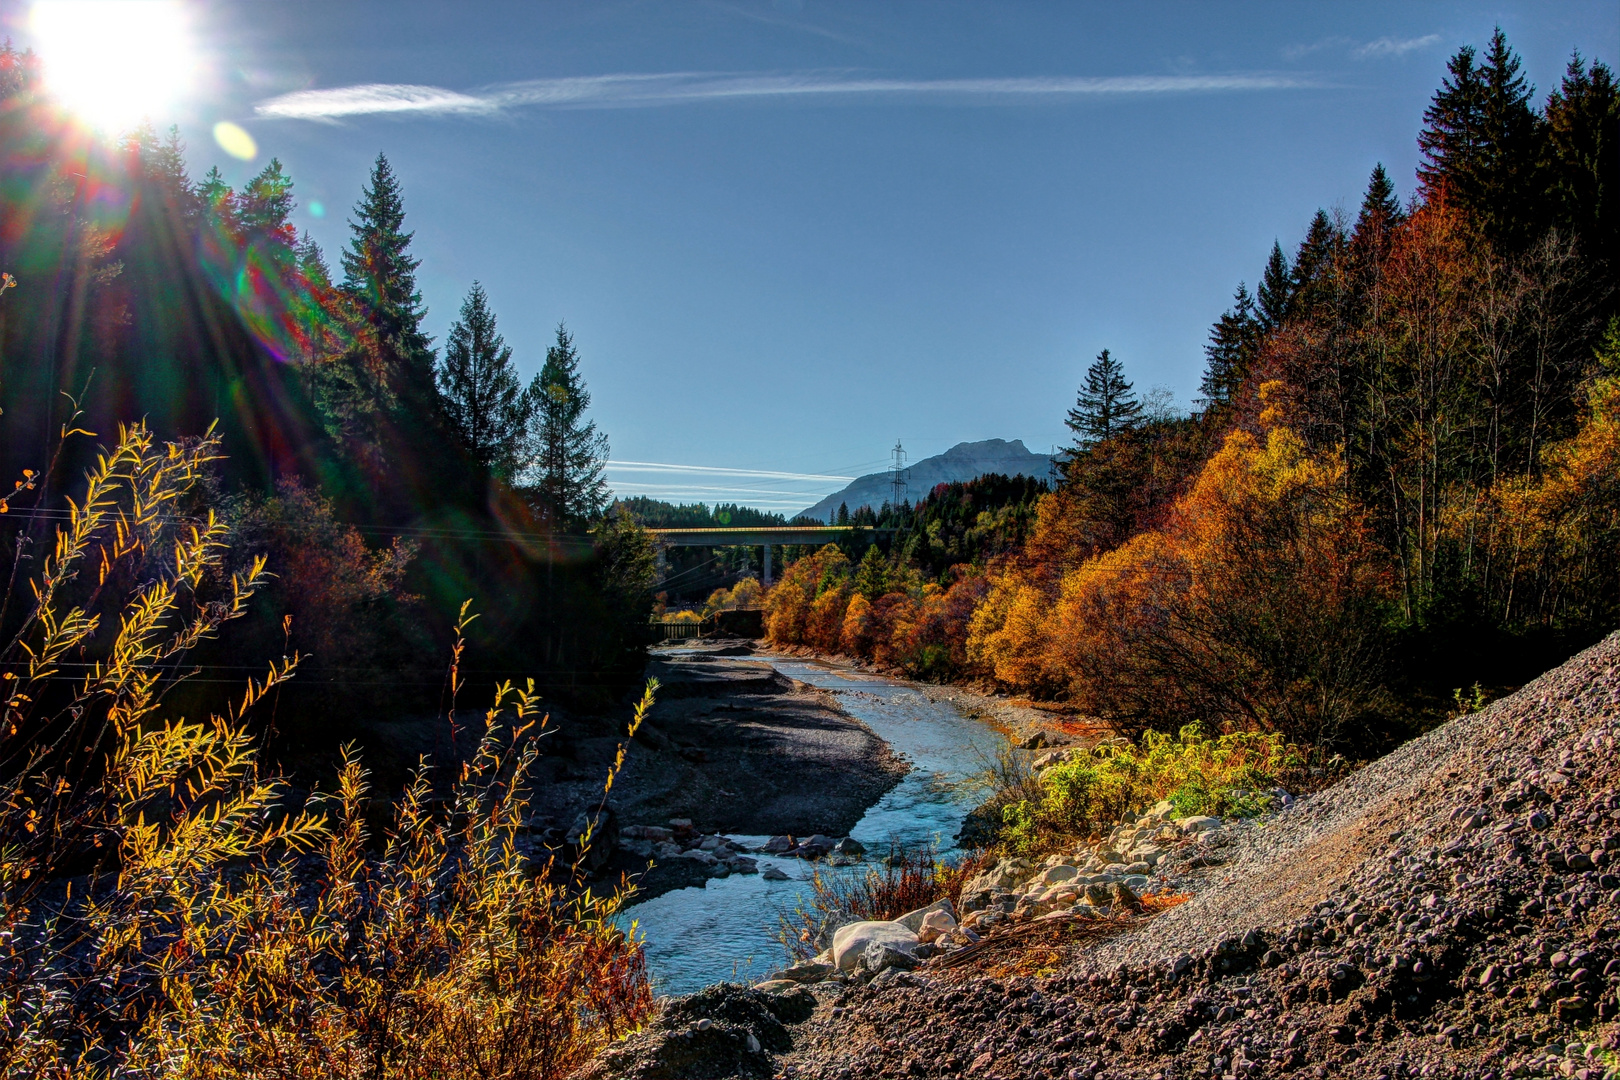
(961,463)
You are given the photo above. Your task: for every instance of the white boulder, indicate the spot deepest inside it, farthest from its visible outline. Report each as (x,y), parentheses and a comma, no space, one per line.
(851,941)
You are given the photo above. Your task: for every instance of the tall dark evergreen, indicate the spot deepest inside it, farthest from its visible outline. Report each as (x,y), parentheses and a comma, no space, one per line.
(1583,157)
(1276,290)
(265,208)
(1105,406)
(1481,145)
(485,406)
(1314,285)
(569,456)
(380,275)
(1231,348)
(1380,206)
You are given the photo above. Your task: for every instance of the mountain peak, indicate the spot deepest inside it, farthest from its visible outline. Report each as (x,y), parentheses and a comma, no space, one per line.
(962,462)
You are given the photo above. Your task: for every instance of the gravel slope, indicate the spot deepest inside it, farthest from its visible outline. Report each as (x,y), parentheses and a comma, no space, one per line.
(1451,910)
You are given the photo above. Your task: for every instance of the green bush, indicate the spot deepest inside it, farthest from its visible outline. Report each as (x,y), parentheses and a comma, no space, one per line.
(1197,773)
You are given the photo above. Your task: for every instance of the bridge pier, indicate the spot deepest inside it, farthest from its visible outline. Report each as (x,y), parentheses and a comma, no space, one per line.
(767,581)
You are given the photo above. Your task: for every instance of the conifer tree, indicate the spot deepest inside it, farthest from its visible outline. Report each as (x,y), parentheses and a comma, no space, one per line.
(1380,209)
(1230,350)
(568,455)
(484,404)
(1481,144)
(843,514)
(1583,140)
(380,276)
(1105,406)
(1276,290)
(264,207)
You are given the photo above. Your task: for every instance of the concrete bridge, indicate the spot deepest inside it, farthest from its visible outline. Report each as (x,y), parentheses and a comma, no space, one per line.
(765,538)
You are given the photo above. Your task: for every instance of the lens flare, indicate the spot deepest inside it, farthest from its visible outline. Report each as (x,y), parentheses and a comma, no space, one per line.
(235,141)
(114,63)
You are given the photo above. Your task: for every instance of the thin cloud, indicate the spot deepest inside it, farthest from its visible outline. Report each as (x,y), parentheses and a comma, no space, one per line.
(372,98)
(1391,46)
(660,466)
(625,90)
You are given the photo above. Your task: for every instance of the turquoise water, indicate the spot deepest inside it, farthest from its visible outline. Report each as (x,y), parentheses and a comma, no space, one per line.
(726,929)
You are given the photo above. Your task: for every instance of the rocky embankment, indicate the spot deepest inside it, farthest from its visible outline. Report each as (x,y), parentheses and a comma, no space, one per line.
(1451,910)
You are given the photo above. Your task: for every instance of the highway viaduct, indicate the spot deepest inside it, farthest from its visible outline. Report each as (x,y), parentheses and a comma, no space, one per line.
(766,538)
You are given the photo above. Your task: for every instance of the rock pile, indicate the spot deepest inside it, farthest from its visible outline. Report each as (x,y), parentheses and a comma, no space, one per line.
(722,856)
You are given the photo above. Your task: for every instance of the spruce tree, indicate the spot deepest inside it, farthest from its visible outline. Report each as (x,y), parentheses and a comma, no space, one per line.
(264,207)
(1231,347)
(1583,140)
(1481,145)
(380,276)
(1276,290)
(484,404)
(1105,406)
(568,455)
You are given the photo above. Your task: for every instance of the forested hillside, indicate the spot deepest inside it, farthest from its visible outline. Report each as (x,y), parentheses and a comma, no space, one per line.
(1403,477)
(388,478)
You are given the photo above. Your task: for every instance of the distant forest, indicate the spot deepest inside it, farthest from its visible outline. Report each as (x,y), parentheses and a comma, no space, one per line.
(1400,492)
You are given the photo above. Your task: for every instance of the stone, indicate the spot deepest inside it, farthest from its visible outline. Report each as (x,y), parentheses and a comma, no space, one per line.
(935,925)
(700,856)
(656,833)
(771,873)
(1198,823)
(849,846)
(776,845)
(773,985)
(1124,896)
(1052,875)
(711,843)
(1162,810)
(681,824)
(851,941)
(806,971)
(815,847)
(880,956)
(641,849)
(913,920)
(743,865)
(1141,869)
(667,850)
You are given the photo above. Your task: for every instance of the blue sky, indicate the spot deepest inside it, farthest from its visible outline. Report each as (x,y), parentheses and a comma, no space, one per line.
(786,234)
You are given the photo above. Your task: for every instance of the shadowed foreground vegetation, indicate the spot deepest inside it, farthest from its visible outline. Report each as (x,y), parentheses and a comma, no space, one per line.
(167,912)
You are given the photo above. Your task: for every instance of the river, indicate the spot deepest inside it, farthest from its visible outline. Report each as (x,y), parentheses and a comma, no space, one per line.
(727,929)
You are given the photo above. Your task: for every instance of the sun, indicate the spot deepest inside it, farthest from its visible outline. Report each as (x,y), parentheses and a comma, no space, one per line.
(114,63)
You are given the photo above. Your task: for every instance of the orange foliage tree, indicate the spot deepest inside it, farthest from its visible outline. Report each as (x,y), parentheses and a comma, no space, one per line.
(1260,605)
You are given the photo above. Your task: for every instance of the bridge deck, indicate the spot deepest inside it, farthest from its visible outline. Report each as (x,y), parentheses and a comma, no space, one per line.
(772,535)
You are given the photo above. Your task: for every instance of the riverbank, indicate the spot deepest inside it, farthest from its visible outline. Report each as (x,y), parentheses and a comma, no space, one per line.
(731,746)
(1448,911)
(1026,723)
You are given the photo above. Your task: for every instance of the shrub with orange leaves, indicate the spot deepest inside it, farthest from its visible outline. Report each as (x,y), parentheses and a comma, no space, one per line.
(1261,606)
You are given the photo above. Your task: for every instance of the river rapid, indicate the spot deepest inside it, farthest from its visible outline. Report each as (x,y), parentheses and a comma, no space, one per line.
(726,930)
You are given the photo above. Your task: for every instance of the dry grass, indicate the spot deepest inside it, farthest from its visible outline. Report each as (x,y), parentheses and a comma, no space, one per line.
(905,881)
(164,912)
